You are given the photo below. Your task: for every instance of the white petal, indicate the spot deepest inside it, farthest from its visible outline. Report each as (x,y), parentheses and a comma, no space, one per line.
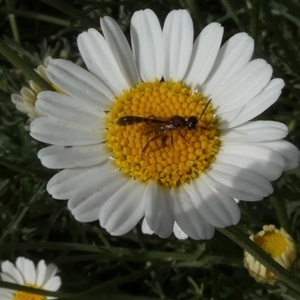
(67,109)
(232,57)
(124,209)
(240,88)
(157,210)
(178,35)
(65,134)
(58,157)
(6,293)
(179,233)
(254,107)
(40,273)
(53,285)
(27,269)
(63,184)
(120,49)
(287,150)
(146,41)
(100,60)
(217,209)
(8,278)
(145,227)
(9,269)
(255,131)
(98,186)
(51,270)
(18,101)
(80,84)
(259,160)
(28,94)
(189,219)
(236,182)
(205,50)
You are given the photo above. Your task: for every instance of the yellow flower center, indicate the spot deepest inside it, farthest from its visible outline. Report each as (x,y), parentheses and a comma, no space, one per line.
(152,137)
(272,243)
(20,295)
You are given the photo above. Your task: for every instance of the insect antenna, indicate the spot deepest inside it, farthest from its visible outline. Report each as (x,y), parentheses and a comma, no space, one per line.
(203,111)
(206,105)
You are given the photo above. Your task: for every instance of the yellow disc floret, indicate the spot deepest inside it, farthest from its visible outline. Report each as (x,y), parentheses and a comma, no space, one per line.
(279,245)
(272,243)
(20,295)
(155,142)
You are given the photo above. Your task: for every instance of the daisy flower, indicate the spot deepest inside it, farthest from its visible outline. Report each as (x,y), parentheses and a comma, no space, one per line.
(279,245)
(25,273)
(161,130)
(25,101)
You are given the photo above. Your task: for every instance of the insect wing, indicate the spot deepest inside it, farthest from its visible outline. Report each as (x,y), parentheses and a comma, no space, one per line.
(131,120)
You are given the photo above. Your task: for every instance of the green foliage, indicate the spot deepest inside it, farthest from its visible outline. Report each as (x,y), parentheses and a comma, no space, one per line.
(136,266)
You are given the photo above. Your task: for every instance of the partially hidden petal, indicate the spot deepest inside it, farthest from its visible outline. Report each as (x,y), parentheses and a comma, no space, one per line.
(157,210)
(253,108)
(205,50)
(122,211)
(186,215)
(119,46)
(232,57)
(237,183)
(218,209)
(257,159)
(59,157)
(100,61)
(80,84)
(255,131)
(61,133)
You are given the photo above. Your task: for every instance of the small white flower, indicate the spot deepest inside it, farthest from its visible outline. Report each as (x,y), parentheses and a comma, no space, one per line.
(25,102)
(174,114)
(25,273)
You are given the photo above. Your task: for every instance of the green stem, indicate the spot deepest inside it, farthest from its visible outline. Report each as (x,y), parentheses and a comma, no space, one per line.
(281,213)
(72,12)
(13,22)
(13,286)
(20,170)
(230,12)
(10,228)
(281,74)
(72,296)
(243,241)
(36,16)
(112,284)
(197,13)
(20,63)
(4,96)
(290,53)
(114,253)
(255,19)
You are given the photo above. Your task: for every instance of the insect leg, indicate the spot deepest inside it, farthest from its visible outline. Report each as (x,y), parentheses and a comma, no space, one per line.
(164,139)
(152,139)
(152,117)
(183,136)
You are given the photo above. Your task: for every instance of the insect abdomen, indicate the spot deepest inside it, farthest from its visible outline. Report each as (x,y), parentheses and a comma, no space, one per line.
(129,120)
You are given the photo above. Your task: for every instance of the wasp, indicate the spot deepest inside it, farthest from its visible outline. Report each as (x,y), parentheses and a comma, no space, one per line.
(161,127)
